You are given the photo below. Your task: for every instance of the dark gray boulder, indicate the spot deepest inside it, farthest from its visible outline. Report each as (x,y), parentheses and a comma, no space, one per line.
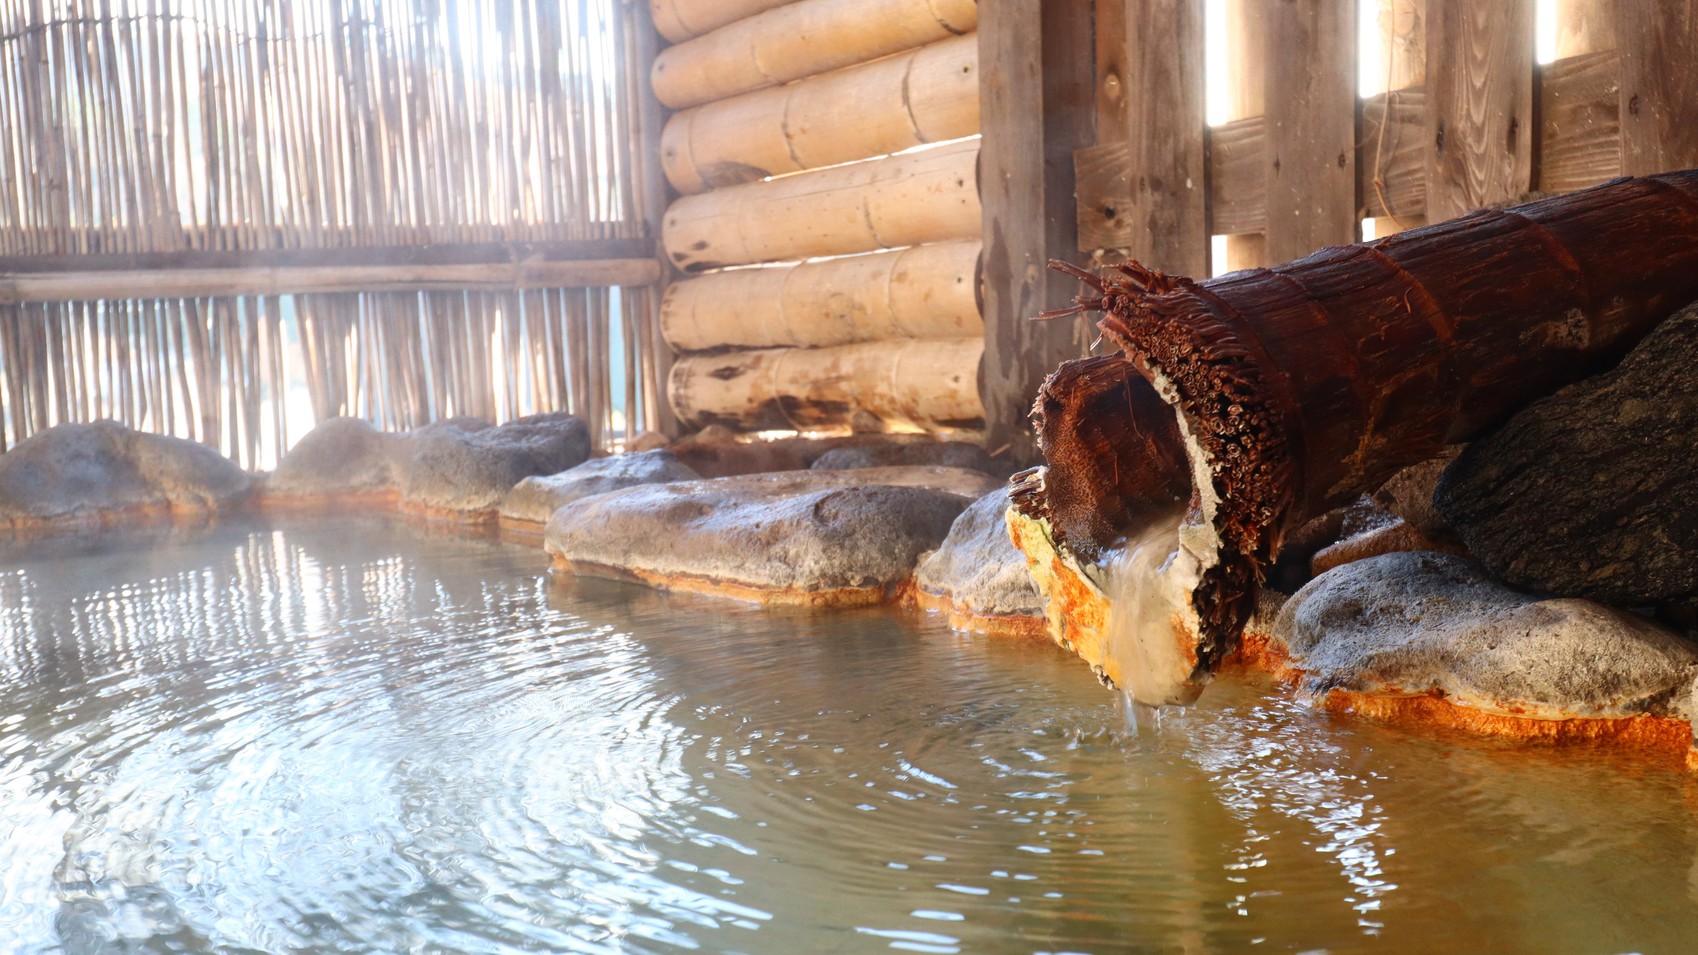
(1426,624)
(803,537)
(948,454)
(535,499)
(338,457)
(102,470)
(458,467)
(977,568)
(1592,492)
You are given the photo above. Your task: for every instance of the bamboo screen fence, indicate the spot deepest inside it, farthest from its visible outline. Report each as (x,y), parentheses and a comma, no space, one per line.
(412,209)
(829,218)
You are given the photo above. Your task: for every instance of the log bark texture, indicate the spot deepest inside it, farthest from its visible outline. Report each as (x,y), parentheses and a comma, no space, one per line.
(928,95)
(910,385)
(800,39)
(1305,385)
(924,291)
(924,196)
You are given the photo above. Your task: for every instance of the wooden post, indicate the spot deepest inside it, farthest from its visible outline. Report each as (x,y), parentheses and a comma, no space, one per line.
(1585,26)
(1035,109)
(1247,64)
(1391,121)
(1659,90)
(1153,197)
(652,200)
(1479,104)
(1311,126)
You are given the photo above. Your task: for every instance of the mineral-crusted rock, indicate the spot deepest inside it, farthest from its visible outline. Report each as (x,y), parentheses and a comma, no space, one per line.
(1420,626)
(535,499)
(463,469)
(339,458)
(802,537)
(948,454)
(1408,494)
(978,575)
(103,471)
(1592,491)
(1399,535)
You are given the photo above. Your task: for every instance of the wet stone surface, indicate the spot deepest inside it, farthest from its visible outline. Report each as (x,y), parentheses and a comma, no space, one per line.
(536,498)
(978,568)
(1410,624)
(797,536)
(78,472)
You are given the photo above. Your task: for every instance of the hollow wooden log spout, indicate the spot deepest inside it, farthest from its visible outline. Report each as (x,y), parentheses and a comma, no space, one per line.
(1263,398)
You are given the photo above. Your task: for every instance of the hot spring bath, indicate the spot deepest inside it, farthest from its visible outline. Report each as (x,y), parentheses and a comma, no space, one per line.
(353,736)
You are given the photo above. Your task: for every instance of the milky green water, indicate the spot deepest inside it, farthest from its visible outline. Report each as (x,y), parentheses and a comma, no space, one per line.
(349,736)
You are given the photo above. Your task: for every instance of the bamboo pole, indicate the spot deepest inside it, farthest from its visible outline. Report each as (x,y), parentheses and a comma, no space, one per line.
(909,385)
(926,291)
(801,39)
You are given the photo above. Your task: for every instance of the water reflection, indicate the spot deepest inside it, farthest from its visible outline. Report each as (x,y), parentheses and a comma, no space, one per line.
(346,736)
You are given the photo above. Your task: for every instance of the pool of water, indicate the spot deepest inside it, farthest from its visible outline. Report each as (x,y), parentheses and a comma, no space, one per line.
(355,736)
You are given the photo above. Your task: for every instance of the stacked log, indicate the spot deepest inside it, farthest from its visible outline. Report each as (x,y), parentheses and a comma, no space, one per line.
(829,222)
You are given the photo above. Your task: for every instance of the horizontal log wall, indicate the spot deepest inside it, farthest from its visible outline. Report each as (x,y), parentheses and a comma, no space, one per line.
(829,225)
(927,95)
(925,291)
(911,385)
(1474,122)
(801,39)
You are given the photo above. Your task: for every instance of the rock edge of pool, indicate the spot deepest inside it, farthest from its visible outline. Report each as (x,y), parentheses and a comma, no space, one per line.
(1377,613)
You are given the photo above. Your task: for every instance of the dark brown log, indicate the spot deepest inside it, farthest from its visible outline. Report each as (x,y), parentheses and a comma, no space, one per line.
(1300,387)
(1114,453)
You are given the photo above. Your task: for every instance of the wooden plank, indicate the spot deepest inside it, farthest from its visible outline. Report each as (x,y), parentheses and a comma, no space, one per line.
(1247,69)
(1036,108)
(1168,214)
(652,198)
(1579,121)
(1393,155)
(63,286)
(1238,179)
(1659,86)
(1311,126)
(1479,104)
(488,253)
(1114,90)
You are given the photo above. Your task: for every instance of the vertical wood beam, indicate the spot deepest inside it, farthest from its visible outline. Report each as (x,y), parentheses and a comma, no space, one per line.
(654,196)
(1311,126)
(1247,67)
(1479,104)
(1166,127)
(1659,87)
(1036,106)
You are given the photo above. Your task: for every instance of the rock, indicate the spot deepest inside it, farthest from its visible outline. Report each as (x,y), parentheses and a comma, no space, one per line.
(1408,494)
(1592,491)
(1384,539)
(978,573)
(716,451)
(340,457)
(803,537)
(535,499)
(461,468)
(103,470)
(648,441)
(948,454)
(1435,625)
